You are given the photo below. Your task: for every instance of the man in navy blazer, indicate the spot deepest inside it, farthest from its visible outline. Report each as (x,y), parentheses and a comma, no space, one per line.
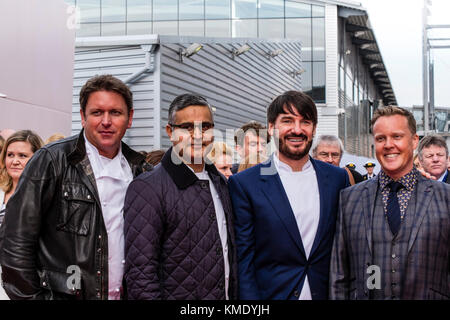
(285,210)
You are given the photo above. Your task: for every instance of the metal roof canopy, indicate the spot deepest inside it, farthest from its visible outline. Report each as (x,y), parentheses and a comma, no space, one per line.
(357,22)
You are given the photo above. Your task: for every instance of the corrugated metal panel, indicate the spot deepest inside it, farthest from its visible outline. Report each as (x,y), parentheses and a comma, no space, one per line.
(239,89)
(120,61)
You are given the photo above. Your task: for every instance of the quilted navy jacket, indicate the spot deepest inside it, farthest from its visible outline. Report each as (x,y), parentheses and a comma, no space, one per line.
(172,243)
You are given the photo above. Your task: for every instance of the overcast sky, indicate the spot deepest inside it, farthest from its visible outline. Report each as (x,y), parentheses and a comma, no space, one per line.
(397,25)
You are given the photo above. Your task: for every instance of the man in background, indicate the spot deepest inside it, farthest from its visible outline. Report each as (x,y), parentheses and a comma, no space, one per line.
(329,149)
(433,154)
(250,141)
(369,165)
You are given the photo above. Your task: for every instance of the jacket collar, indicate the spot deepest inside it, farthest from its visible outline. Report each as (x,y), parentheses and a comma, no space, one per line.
(78,153)
(181,174)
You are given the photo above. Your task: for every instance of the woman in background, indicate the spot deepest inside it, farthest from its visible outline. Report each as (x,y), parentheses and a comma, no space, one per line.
(16,152)
(221,155)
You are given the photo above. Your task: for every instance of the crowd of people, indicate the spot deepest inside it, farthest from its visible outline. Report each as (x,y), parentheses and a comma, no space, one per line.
(88,217)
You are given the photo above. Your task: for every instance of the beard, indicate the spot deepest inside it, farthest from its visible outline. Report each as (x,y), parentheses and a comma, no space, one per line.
(297,154)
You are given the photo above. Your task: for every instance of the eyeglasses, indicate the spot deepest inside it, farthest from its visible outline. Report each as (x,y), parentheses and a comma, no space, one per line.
(333,155)
(190,126)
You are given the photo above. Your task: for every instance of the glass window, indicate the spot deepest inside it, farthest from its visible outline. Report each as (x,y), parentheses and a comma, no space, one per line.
(341,78)
(217,9)
(318,11)
(271,28)
(139,10)
(113,29)
(218,28)
(89,10)
(318,32)
(271,9)
(306,76)
(244,28)
(88,30)
(139,27)
(169,28)
(70,2)
(192,28)
(300,29)
(297,10)
(348,87)
(244,9)
(165,10)
(318,81)
(113,10)
(191,9)
(318,74)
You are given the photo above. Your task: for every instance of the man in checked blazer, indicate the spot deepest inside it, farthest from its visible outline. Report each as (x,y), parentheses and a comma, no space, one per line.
(392,237)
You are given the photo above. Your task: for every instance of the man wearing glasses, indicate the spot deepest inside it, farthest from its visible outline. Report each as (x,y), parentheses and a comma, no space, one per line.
(329,149)
(179,238)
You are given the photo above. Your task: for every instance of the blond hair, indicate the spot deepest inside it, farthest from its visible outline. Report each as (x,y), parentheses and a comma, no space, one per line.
(251,160)
(55,137)
(219,148)
(6,182)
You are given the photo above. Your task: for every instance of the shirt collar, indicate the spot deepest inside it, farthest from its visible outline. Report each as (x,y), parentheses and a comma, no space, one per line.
(443,176)
(409,180)
(103,166)
(284,167)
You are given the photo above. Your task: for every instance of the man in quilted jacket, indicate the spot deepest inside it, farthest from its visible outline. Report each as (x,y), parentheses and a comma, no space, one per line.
(179,238)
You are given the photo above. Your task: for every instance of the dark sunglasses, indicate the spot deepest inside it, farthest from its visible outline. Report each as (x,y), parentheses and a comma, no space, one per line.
(189,126)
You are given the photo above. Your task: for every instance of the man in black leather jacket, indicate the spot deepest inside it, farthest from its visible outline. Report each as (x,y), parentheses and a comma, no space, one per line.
(58,225)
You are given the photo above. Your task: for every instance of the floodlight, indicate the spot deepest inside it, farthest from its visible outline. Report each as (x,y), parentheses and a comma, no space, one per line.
(190,51)
(274,53)
(298,72)
(240,50)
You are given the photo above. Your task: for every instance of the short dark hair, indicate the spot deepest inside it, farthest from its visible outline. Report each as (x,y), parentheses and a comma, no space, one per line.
(392,111)
(184,101)
(105,82)
(431,140)
(303,103)
(258,128)
(154,157)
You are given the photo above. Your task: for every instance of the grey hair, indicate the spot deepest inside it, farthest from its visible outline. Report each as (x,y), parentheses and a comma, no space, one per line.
(327,139)
(431,140)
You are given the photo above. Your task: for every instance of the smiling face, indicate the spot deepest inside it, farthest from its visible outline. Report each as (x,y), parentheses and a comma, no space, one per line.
(294,135)
(105,121)
(394,145)
(189,141)
(17,156)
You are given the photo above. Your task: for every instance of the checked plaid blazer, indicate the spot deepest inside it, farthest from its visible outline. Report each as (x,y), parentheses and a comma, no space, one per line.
(427,271)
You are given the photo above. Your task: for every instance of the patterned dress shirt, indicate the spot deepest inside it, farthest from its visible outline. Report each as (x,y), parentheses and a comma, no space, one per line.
(408,181)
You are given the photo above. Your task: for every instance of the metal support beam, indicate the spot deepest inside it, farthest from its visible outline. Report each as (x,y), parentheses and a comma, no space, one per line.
(425,68)
(440,47)
(355,28)
(438,26)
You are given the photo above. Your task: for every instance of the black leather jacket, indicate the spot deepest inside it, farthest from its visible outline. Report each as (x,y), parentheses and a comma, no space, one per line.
(53,229)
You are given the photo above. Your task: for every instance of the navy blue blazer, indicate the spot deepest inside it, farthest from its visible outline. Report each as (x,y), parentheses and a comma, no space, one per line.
(271,259)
